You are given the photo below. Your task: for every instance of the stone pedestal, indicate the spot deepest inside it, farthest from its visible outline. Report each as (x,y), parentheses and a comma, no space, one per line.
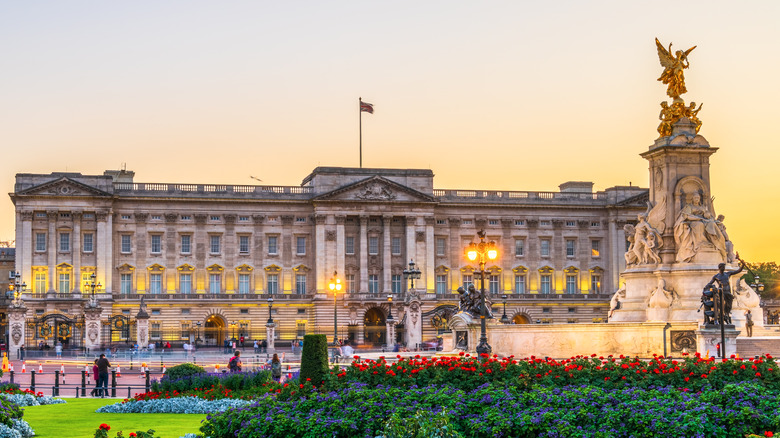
(390,334)
(413,322)
(93,339)
(142,330)
(708,338)
(270,333)
(17,328)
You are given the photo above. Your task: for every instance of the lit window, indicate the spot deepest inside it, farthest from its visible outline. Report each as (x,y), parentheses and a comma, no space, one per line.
(349,245)
(215,283)
(156,244)
(64,283)
(273,284)
(215,244)
(519,284)
(243,244)
(373,284)
(89,242)
(373,245)
(64,242)
(351,283)
(595,283)
(40,283)
(569,247)
(186,243)
(300,245)
(300,284)
(40,241)
(519,247)
(468,280)
(546,284)
(595,248)
(544,247)
(243,283)
(185,284)
(155,283)
(272,247)
(571,283)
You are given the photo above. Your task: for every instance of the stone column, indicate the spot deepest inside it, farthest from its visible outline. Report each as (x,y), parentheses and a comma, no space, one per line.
(363,255)
(25,247)
(103,249)
(321,265)
(75,250)
(386,254)
(390,334)
(17,326)
(258,251)
(51,251)
(430,256)
(142,328)
(92,323)
(340,250)
(270,331)
(613,253)
(411,244)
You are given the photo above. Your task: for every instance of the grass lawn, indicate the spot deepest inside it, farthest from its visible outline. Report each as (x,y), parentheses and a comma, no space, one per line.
(77,418)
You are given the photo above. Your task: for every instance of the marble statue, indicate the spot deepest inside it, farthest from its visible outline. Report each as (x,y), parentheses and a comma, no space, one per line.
(730,258)
(694,229)
(674,65)
(614,302)
(744,295)
(645,237)
(722,280)
(661,297)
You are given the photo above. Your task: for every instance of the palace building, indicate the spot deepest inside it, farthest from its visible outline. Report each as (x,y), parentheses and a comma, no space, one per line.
(206,258)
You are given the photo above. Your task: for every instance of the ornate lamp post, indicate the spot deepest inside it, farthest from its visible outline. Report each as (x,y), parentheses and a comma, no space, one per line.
(335,287)
(91,285)
(16,285)
(389,308)
(412,274)
(270,312)
(504,318)
(482,252)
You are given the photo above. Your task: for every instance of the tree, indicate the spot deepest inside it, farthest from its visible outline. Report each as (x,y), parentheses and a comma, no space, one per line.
(314,359)
(769,275)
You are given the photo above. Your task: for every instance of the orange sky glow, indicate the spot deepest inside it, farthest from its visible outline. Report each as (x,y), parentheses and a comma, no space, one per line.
(500,95)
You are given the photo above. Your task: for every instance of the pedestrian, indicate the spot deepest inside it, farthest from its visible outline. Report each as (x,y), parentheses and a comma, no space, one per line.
(256,347)
(276,368)
(235,362)
(265,346)
(103,365)
(96,389)
(241,341)
(21,352)
(749,323)
(58,349)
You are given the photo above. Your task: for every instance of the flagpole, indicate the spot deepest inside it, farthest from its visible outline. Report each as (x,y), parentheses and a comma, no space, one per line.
(360,128)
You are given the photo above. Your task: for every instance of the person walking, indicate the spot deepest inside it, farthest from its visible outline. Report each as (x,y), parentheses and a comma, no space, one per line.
(749,323)
(256,347)
(235,363)
(103,365)
(58,349)
(96,389)
(21,352)
(276,368)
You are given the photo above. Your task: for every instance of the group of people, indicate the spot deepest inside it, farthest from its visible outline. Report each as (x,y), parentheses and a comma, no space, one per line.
(100,376)
(235,365)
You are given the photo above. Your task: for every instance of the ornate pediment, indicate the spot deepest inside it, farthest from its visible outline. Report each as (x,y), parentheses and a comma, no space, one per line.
(63,186)
(375,189)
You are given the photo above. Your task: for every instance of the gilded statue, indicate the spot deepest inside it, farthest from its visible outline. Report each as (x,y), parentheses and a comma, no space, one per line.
(674,65)
(670,114)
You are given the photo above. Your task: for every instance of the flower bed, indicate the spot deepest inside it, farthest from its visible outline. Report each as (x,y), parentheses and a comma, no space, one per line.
(176,405)
(359,410)
(231,381)
(32,400)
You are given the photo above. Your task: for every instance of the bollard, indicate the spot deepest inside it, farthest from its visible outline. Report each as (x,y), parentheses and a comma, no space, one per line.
(12,377)
(83,384)
(55,392)
(162,365)
(148,385)
(113,383)
(194,360)
(131,363)
(128,392)
(32,380)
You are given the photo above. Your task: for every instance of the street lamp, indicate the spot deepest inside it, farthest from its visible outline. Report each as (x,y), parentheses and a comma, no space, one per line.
(504,318)
(91,285)
(412,274)
(482,252)
(390,308)
(233,326)
(335,287)
(270,312)
(198,324)
(15,284)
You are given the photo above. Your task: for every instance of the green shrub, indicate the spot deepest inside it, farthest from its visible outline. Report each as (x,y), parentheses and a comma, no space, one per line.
(314,359)
(8,411)
(183,370)
(424,424)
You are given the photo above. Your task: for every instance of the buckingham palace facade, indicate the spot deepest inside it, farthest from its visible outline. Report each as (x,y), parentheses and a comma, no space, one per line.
(206,258)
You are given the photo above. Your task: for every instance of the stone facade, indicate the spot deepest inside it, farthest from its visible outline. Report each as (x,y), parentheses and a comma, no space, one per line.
(207,258)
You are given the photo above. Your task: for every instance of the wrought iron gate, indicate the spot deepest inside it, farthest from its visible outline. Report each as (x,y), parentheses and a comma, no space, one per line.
(46,330)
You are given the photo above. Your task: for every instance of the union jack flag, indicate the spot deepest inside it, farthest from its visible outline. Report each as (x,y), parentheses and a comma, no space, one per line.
(366,107)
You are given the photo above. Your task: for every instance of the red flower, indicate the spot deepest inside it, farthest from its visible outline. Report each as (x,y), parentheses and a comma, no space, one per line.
(105,426)
(132,434)
(769,433)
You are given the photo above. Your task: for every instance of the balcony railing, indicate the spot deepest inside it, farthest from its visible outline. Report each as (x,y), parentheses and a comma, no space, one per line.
(505,196)
(233,297)
(198,190)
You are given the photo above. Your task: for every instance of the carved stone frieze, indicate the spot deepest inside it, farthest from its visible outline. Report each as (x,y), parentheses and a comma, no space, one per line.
(454,222)
(200,219)
(141,217)
(101,216)
(330,236)
(287,219)
(171,217)
(481,223)
(258,218)
(376,191)
(420,236)
(27,215)
(230,219)
(320,219)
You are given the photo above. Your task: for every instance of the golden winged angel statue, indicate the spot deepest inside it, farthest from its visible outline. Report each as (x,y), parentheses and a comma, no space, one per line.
(673,65)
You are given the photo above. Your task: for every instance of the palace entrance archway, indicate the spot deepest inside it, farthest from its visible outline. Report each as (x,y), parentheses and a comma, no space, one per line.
(215,331)
(374,327)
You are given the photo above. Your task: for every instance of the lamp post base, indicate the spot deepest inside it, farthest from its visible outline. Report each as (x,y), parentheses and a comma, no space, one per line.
(484,348)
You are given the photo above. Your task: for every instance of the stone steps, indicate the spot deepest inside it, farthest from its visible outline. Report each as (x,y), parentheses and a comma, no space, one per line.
(758,345)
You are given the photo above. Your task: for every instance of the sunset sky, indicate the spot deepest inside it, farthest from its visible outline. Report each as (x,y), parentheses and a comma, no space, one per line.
(491,95)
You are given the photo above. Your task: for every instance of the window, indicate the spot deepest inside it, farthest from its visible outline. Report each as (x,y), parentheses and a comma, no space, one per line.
(185,311)
(89,242)
(301,331)
(572,310)
(595,283)
(373,284)
(272,247)
(243,244)
(40,241)
(126,283)
(519,247)
(494,287)
(273,284)
(546,284)
(185,330)
(243,218)
(467,222)
(373,245)
(441,284)
(244,312)
(571,321)
(64,242)
(155,283)
(519,284)
(186,217)
(185,284)
(569,247)
(351,283)
(595,248)
(64,215)
(186,243)
(396,246)
(571,283)
(243,283)
(300,284)
(349,245)
(467,281)
(154,331)
(126,216)
(300,245)
(125,246)
(300,219)
(395,283)
(214,247)
(40,283)
(546,310)
(441,221)
(156,217)
(441,246)
(544,247)
(40,214)
(156,246)
(545,223)
(64,283)
(215,283)
(595,224)
(214,218)
(571,223)
(519,223)
(155,311)
(493,222)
